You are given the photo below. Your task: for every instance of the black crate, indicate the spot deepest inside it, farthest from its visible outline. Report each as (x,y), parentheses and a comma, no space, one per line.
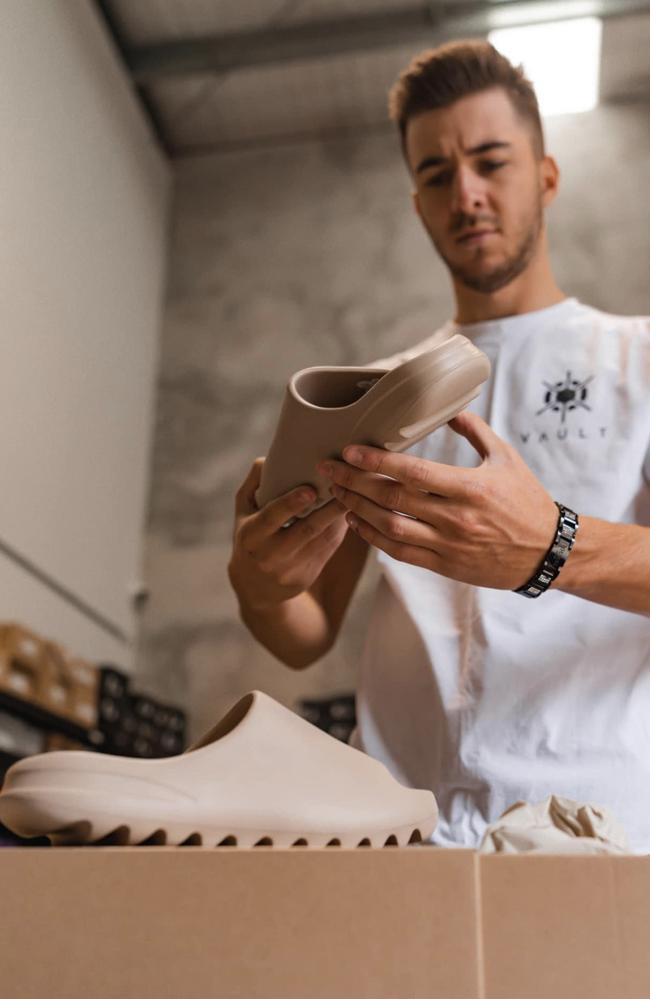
(334,715)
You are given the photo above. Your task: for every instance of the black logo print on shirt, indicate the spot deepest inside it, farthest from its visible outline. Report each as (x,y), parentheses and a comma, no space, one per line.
(564,396)
(567,396)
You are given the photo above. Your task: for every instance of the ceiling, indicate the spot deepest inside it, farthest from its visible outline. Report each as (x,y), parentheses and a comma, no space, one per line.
(218,74)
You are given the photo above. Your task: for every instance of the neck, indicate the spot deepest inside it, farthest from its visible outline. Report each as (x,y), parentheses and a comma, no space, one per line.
(535,288)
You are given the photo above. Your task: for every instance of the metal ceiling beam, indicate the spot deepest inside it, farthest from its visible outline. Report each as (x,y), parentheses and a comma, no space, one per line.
(425,24)
(114,33)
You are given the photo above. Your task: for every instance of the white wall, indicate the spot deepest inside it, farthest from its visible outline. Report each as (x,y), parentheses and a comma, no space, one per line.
(83,205)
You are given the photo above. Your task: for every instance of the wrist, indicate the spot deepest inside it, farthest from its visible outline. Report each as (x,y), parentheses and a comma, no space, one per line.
(260,608)
(263,608)
(556,555)
(248,603)
(583,566)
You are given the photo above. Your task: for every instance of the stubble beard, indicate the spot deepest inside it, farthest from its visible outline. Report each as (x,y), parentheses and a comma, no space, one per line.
(502,274)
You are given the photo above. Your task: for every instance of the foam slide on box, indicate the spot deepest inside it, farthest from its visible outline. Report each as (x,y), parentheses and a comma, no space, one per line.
(261,775)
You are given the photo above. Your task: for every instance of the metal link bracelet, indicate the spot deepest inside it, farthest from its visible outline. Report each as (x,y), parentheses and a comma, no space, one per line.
(556,556)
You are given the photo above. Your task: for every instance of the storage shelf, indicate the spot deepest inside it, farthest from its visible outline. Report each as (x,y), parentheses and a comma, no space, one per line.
(49,722)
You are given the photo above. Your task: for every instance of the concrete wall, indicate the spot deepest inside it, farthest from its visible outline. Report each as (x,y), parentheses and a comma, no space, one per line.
(83,205)
(310,254)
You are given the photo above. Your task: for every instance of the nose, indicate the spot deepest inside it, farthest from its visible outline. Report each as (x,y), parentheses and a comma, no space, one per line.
(468,191)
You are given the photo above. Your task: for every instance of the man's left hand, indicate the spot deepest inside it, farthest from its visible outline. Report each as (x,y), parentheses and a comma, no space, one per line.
(489,526)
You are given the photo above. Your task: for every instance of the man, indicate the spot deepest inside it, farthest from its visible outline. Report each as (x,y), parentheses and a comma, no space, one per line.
(466,687)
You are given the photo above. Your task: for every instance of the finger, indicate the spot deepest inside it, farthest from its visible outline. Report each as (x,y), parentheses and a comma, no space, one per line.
(394,526)
(311,559)
(417,473)
(245,495)
(275,514)
(475,430)
(283,546)
(323,547)
(413,554)
(388,493)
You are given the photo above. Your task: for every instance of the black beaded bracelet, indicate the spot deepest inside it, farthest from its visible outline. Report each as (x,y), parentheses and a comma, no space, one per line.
(556,556)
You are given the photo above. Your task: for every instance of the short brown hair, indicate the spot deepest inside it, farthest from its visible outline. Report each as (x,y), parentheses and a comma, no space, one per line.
(437,78)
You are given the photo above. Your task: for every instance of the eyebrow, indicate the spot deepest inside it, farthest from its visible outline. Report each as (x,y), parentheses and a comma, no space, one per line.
(430,161)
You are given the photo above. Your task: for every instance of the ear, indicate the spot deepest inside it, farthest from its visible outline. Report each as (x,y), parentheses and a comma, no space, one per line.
(549,173)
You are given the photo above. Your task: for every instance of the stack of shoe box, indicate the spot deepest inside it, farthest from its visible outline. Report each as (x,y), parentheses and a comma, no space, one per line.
(51,699)
(41,675)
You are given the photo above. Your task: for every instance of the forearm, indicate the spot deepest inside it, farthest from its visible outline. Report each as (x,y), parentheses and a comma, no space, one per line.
(610,565)
(296,631)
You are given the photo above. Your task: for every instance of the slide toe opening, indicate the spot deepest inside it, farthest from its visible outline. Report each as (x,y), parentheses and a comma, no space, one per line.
(228,723)
(334,390)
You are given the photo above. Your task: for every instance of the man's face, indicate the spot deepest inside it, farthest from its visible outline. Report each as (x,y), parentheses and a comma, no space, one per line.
(478,187)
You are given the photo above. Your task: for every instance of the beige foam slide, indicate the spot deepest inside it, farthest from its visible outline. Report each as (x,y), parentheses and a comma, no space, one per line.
(262,775)
(326,408)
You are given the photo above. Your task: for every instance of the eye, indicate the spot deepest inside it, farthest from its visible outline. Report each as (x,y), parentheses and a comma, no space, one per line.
(438,179)
(491,165)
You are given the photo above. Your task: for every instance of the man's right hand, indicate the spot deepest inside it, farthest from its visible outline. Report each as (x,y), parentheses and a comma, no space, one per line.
(271,563)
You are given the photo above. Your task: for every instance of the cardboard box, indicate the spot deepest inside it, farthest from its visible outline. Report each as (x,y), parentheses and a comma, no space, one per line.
(42,673)
(397,923)
(558,927)
(71,687)
(22,663)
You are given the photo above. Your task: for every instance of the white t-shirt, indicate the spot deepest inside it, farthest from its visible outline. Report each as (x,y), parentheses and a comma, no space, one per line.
(487,697)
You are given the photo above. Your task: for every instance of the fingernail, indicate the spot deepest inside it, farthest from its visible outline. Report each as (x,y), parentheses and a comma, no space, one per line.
(325,468)
(352,521)
(352,454)
(306,496)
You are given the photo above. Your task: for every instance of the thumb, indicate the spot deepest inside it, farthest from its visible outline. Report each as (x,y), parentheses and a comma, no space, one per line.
(479,434)
(245,497)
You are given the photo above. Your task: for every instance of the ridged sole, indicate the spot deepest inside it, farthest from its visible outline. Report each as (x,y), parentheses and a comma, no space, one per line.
(25,815)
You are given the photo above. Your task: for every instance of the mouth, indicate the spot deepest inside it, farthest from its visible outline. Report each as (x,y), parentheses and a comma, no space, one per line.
(476,236)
